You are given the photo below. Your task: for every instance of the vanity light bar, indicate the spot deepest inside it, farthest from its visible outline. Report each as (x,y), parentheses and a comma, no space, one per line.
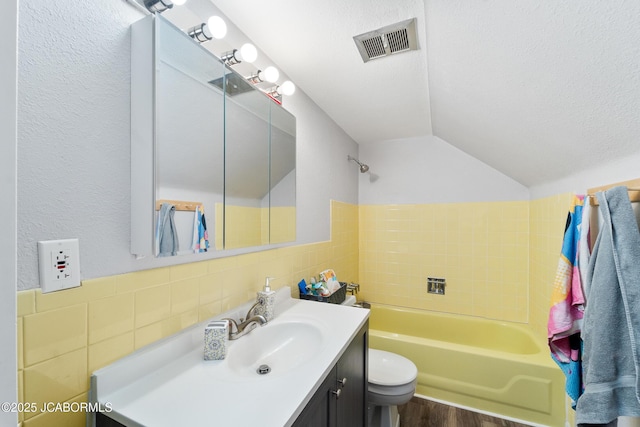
(160,6)
(287,88)
(157,5)
(214,28)
(230,58)
(274,94)
(199,34)
(256,77)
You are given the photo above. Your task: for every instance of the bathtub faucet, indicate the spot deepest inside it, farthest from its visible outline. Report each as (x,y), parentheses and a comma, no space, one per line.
(435,285)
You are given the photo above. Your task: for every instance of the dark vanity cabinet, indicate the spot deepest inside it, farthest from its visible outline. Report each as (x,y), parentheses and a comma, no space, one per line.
(103,420)
(341,400)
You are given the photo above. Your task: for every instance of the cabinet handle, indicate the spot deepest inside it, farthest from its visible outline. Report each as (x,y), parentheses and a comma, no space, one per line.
(336,393)
(343,382)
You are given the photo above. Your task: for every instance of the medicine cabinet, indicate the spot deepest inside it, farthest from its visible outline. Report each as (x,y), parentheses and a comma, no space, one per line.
(202,134)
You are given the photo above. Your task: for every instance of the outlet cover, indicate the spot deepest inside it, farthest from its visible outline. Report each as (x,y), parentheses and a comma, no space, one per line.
(59,264)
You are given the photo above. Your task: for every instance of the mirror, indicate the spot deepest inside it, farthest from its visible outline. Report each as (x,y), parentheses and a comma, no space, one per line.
(282,191)
(246,201)
(189,136)
(201,135)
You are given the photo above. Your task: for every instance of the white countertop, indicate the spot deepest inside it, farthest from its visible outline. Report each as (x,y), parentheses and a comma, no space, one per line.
(169,384)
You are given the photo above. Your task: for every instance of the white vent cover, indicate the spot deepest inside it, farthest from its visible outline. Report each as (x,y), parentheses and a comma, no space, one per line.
(394,38)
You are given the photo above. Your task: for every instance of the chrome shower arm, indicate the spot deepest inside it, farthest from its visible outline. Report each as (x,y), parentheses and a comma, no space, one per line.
(363,168)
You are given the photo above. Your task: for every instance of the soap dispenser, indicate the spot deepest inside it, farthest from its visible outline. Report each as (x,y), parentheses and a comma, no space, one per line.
(267,299)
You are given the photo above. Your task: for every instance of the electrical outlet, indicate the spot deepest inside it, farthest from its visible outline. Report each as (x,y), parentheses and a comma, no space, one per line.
(59,264)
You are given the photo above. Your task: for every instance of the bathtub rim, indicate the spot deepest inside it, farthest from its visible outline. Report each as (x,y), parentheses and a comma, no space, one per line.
(543,353)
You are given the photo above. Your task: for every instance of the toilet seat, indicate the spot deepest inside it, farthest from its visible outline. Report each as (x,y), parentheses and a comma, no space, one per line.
(390,369)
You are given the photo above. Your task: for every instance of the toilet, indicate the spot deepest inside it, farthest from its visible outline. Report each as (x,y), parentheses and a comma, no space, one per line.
(392,382)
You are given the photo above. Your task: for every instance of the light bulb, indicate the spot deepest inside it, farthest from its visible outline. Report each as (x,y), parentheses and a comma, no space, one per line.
(248,52)
(287,88)
(217,27)
(271,74)
(179,2)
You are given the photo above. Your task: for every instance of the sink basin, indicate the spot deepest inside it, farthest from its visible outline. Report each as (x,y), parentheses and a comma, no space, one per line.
(282,346)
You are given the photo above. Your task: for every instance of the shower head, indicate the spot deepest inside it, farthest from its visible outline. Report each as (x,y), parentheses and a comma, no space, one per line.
(363,168)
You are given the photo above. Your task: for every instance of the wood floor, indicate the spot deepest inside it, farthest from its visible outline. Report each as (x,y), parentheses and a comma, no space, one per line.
(425,413)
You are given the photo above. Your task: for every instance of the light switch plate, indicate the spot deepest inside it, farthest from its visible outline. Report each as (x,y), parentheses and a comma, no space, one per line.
(59,264)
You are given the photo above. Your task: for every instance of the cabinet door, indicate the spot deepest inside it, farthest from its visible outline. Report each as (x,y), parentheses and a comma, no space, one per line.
(352,366)
(321,410)
(103,420)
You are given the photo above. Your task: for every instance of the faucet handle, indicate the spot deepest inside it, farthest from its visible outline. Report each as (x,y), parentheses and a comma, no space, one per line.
(233,325)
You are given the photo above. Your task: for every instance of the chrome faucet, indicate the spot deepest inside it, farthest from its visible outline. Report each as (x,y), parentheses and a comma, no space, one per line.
(236,330)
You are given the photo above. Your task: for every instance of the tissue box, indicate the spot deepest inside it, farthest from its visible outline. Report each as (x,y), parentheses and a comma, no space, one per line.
(216,335)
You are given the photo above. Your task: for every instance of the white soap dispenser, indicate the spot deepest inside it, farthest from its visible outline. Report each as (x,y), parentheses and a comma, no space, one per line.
(267,300)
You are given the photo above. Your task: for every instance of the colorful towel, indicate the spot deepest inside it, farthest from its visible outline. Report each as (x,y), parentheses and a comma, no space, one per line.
(200,233)
(567,304)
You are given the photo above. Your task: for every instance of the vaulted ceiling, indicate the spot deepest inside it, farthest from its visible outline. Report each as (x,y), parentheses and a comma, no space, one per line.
(535,89)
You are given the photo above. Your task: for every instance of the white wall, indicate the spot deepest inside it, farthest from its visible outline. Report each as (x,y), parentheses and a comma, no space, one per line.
(73,132)
(608,173)
(323,172)
(282,194)
(8,352)
(429,170)
(73,138)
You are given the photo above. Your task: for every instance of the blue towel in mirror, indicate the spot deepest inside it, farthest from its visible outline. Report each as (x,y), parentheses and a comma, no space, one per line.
(166,233)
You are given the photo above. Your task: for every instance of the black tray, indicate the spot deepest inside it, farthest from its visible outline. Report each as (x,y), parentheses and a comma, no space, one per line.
(337,297)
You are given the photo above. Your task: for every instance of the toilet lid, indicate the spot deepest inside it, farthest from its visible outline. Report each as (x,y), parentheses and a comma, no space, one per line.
(390,369)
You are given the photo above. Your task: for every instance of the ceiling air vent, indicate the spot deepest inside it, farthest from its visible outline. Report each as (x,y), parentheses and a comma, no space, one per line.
(394,38)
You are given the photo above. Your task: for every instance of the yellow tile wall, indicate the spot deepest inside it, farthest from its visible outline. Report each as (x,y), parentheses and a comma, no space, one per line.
(283,224)
(244,227)
(66,335)
(255,226)
(482,249)
(219,226)
(499,260)
(548,218)
(264,226)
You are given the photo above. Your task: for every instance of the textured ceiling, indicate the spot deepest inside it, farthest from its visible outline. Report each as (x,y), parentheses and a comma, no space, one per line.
(535,89)
(383,99)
